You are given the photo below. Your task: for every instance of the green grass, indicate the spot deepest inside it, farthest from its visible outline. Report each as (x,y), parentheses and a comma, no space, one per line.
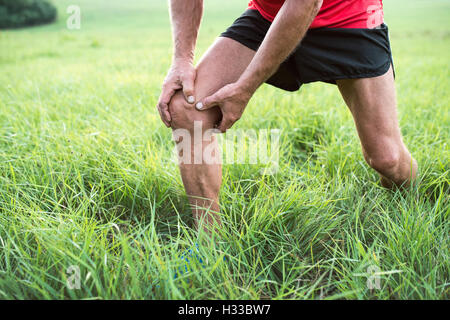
(87,178)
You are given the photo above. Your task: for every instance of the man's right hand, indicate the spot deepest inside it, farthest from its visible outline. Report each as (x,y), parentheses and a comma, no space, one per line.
(181,75)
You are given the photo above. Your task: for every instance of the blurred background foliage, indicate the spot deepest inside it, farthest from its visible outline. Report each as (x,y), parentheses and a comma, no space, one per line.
(23,13)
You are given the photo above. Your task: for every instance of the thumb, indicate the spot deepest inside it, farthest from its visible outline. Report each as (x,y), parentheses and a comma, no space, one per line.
(208,102)
(188,89)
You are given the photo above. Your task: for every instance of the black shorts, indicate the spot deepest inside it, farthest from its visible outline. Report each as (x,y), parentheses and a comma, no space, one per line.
(324,54)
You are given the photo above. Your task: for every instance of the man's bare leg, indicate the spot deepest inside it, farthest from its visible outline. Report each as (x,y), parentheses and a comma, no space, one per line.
(373,104)
(222,64)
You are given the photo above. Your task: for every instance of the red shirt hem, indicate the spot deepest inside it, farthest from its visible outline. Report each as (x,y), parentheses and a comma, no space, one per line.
(365,14)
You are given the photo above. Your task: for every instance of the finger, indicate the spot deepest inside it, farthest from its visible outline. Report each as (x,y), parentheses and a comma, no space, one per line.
(164,117)
(188,88)
(225,124)
(208,102)
(167,93)
(163,103)
(164,113)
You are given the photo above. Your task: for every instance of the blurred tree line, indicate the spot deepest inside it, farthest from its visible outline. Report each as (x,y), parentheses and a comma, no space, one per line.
(22,13)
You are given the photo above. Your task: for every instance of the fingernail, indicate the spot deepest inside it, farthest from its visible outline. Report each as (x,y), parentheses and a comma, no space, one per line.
(191,99)
(199,105)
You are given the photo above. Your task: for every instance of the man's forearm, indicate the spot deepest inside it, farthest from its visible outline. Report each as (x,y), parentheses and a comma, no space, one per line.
(185,17)
(285,33)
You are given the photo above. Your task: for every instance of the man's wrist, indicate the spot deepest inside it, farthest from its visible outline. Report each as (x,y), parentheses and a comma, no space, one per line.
(183,59)
(248,85)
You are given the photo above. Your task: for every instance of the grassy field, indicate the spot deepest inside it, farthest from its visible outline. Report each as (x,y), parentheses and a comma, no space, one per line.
(87,178)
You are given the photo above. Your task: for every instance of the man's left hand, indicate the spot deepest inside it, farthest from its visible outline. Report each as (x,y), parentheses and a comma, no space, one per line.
(231,99)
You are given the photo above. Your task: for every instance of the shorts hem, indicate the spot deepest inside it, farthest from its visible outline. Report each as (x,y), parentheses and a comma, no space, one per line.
(363,75)
(237,37)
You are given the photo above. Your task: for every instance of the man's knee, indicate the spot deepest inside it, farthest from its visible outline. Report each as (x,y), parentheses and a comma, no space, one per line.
(184,114)
(385,162)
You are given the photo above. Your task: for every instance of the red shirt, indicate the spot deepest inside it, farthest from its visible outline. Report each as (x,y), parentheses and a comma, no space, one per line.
(333,14)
